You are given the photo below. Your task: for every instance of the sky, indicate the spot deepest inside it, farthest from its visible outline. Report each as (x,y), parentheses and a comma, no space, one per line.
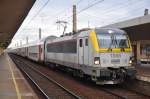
(45,13)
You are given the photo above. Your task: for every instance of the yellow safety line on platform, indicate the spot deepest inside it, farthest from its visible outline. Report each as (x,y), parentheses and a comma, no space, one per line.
(15,83)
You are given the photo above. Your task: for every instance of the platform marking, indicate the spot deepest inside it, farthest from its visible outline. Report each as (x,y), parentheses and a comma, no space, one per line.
(20,78)
(13,77)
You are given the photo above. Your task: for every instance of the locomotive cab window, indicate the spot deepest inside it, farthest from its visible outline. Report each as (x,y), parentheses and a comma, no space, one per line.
(114,41)
(86,42)
(80,42)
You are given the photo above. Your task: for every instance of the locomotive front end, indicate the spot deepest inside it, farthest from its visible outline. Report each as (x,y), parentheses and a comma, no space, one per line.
(112,57)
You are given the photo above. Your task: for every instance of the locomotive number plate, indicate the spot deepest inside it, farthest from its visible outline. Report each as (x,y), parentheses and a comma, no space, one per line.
(115,61)
(114,55)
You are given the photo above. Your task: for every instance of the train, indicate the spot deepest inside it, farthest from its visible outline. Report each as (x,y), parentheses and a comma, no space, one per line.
(103,55)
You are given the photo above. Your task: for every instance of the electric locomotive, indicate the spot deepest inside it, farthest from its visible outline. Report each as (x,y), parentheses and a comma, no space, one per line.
(103,55)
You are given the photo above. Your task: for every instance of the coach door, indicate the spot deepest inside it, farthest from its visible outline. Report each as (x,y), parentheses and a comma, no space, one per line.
(80,49)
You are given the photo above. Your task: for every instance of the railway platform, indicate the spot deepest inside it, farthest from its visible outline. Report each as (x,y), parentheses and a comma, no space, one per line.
(143,72)
(13,85)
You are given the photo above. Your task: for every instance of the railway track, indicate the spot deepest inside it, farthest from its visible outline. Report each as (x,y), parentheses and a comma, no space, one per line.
(135,85)
(124,93)
(47,86)
(91,91)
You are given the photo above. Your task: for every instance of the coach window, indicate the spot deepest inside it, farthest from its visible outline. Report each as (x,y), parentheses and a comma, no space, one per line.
(86,42)
(80,42)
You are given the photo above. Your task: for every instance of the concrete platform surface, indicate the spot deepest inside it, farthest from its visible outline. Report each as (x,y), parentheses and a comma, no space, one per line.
(143,72)
(12,83)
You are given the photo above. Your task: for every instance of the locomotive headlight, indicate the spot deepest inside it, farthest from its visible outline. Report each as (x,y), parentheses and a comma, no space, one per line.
(130,61)
(96,60)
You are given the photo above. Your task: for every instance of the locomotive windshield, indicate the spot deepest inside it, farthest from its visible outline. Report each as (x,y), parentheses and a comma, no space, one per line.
(113,40)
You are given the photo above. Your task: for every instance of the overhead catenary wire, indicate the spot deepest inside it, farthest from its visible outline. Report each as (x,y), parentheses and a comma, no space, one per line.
(86,8)
(104,14)
(126,5)
(117,19)
(134,11)
(62,11)
(39,11)
(110,11)
(33,17)
(79,2)
(127,17)
(122,6)
(89,6)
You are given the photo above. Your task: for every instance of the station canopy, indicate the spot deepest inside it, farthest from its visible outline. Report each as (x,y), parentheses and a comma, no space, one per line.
(12,14)
(137,28)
